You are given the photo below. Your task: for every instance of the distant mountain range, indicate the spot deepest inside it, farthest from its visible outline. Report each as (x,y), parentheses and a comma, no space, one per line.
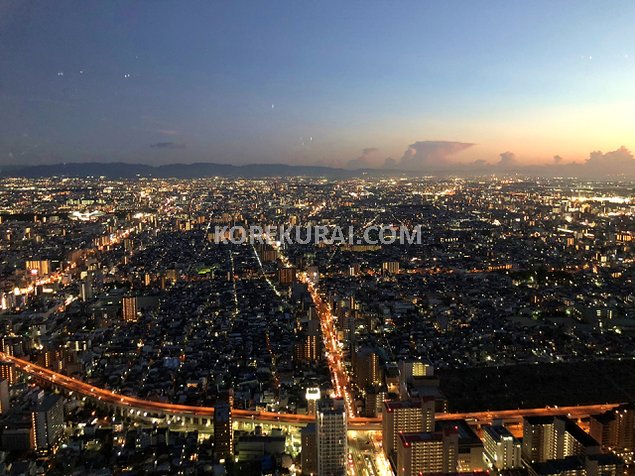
(623,169)
(196,170)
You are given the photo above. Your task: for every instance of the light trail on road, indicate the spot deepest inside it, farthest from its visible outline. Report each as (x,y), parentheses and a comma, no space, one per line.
(335,358)
(97,393)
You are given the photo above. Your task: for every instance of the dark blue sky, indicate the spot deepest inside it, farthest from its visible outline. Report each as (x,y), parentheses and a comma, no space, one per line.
(314,81)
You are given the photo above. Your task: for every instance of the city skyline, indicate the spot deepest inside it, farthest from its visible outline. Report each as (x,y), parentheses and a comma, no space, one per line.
(250,238)
(140,333)
(412,86)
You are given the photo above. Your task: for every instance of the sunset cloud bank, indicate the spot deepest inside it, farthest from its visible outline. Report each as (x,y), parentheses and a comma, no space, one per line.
(436,156)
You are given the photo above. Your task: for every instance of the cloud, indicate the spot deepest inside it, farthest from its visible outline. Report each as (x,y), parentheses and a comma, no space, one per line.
(598,165)
(616,162)
(370,158)
(430,154)
(507,160)
(434,157)
(167,145)
(620,161)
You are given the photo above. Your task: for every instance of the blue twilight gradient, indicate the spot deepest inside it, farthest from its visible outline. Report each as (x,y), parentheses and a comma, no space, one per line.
(312,81)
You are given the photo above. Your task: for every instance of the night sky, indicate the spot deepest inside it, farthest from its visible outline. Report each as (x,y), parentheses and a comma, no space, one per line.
(353,84)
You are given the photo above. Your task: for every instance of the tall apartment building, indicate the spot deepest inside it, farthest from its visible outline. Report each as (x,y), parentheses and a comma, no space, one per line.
(374,400)
(552,438)
(331,441)
(415,368)
(223,432)
(40,267)
(308,347)
(590,465)
(313,396)
(501,448)
(615,431)
(5,404)
(390,267)
(47,422)
(53,359)
(287,276)
(471,450)
(367,367)
(86,290)
(129,308)
(405,416)
(427,453)
(308,438)
(7,371)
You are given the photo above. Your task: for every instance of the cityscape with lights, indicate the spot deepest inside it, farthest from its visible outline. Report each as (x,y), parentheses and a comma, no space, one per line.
(334,238)
(134,341)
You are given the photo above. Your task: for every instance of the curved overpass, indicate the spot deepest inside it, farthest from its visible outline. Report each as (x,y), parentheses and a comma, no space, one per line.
(171,409)
(106,396)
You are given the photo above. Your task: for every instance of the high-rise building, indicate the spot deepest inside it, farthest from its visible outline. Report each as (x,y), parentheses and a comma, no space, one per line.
(331,441)
(86,291)
(415,368)
(427,453)
(129,309)
(501,448)
(7,300)
(287,276)
(615,431)
(367,367)
(471,451)
(268,255)
(552,438)
(417,380)
(223,432)
(227,395)
(52,359)
(5,404)
(308,456)
(405,416)
(590,465)
(428,413)
(7,371)
(542,438)
(39,267)
(390,267)
(374,400)
(313,396)
(604,465)
(171,275)
(48,422)
(308,347)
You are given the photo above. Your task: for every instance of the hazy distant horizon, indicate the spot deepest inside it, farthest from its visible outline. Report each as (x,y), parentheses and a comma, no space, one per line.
(618,163)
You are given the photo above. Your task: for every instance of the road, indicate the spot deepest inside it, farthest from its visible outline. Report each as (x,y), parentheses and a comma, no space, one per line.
(360,459)
(514,416)
(366,456)
(335,358)
(74,385)
(355,423)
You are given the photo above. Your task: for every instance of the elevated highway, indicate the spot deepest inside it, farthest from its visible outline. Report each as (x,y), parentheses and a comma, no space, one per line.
(176,414)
